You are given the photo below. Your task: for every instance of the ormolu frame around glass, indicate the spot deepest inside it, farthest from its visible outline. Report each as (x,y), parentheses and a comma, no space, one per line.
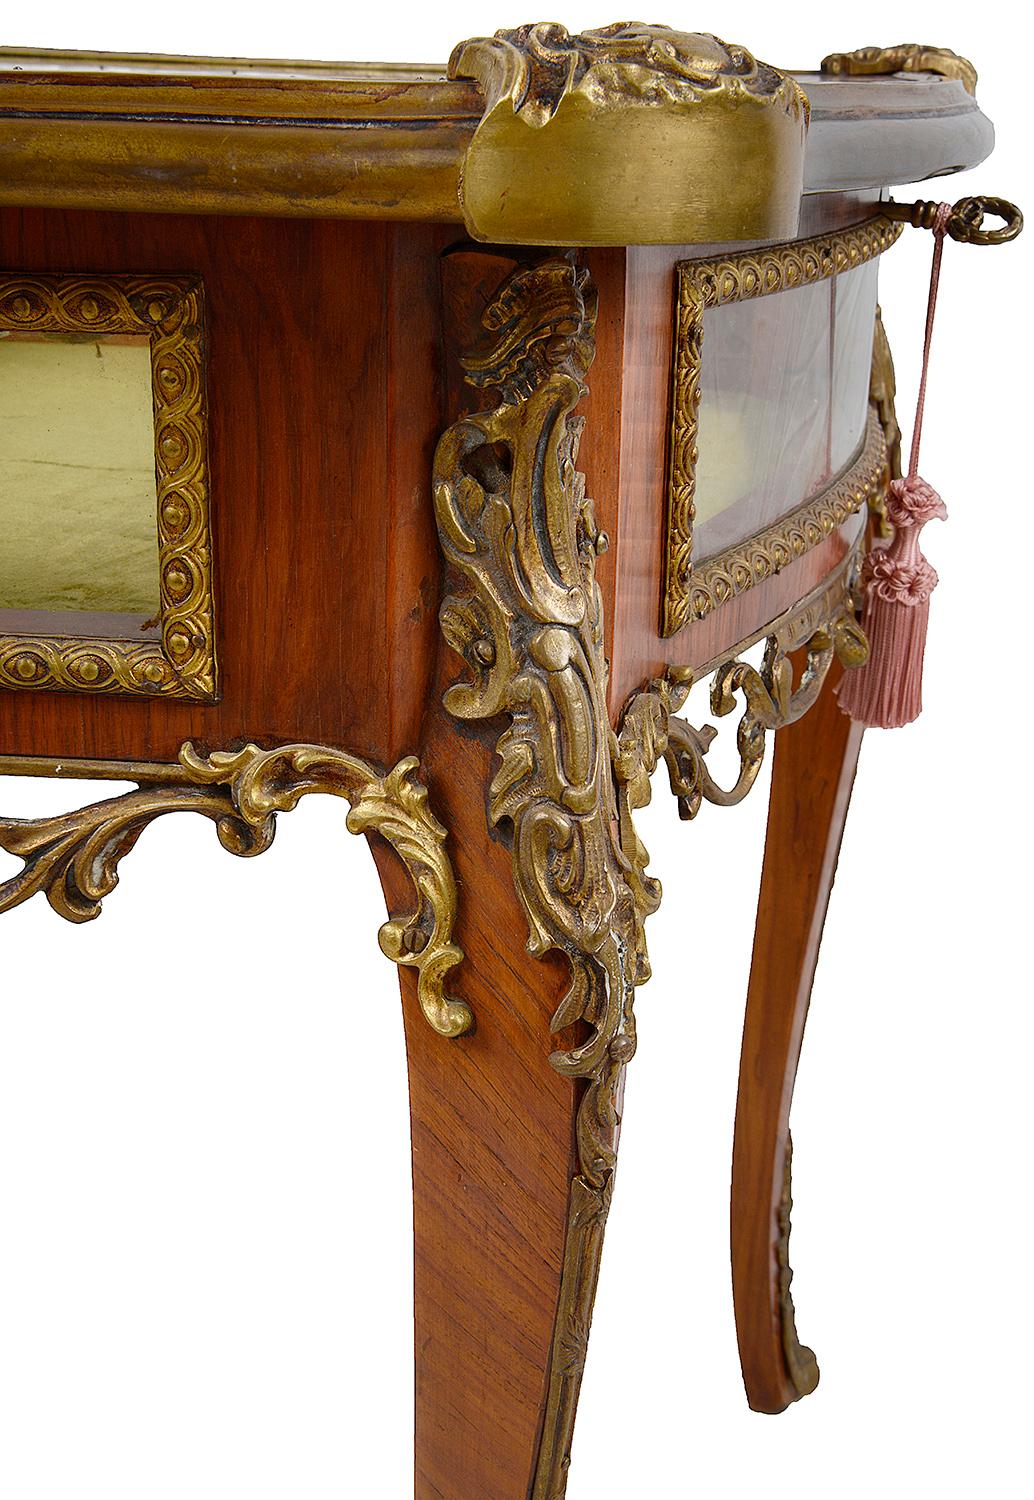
(179,659)
(691,593)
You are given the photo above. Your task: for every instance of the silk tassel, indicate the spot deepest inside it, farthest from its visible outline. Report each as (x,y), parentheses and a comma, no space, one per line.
(897,580)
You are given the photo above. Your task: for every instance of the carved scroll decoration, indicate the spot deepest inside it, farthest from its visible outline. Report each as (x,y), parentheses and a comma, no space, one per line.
(521,540)
(170,312)
(691,592)
(536,66)
(824,625)
(74,858)
(907,57)
(628,134)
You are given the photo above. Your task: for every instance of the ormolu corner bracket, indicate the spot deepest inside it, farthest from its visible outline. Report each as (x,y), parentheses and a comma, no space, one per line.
(73,858)
(906,57)
(630,134)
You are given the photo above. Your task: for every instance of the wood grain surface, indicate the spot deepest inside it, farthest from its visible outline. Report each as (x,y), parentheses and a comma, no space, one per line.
(324,408)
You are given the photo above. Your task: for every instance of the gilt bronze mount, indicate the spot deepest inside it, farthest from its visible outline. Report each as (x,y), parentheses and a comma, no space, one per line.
(628,133)
(73,858)
(173,655)
(907,57)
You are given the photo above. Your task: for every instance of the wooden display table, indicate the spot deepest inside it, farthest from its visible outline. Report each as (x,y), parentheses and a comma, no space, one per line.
(431,432)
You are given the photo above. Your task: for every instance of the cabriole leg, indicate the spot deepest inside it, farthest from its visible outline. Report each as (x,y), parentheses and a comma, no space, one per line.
(493,1159)
(813,771)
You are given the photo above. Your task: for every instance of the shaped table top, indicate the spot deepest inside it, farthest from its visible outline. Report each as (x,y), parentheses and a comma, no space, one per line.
(626,135)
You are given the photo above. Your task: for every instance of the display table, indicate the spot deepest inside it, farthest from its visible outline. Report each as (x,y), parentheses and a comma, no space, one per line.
(419,437)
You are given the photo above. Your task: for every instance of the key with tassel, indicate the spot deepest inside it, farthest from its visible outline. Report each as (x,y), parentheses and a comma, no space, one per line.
(897,580)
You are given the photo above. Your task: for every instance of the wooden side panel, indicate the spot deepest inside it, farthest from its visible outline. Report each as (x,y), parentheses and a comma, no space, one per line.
(323,401)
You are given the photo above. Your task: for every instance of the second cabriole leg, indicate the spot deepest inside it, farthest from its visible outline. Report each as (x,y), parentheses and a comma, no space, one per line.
(813,771)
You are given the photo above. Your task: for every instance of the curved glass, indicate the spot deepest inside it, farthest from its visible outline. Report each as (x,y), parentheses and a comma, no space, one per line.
(784,386)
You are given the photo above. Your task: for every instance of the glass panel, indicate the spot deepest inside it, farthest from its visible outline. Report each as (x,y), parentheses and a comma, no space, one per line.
(771,432)
(78,501)
(855,319)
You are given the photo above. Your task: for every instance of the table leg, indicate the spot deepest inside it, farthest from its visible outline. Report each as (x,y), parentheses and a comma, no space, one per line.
(813,771)
(515,1128)
(494,1158)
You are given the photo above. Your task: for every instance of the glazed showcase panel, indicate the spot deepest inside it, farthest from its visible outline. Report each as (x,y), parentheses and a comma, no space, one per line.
(771,442)
(784,386)
(106,562)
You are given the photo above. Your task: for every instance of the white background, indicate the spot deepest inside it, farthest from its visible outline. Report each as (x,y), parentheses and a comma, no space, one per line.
(204,1260)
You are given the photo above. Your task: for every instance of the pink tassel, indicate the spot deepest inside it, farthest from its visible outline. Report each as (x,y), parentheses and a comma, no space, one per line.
(887,691)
